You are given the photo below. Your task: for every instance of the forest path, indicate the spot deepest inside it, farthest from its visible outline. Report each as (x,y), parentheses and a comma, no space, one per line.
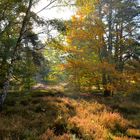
(61,88)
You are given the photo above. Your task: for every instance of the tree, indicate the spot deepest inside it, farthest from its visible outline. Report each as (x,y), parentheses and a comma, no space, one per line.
(121,26)
(81,47)
(18,41)
(18,38)
(97,45)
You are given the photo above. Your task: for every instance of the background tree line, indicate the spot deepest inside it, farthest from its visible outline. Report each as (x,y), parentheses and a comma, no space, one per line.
(101,46)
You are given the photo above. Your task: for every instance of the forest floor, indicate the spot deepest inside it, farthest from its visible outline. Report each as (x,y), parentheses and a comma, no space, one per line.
(47,113)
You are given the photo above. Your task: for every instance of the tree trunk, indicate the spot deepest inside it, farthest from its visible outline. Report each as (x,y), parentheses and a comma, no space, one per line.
(121,49)
(110,29)
(14,55)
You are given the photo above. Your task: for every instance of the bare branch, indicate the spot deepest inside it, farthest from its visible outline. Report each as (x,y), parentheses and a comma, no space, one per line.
(51,2)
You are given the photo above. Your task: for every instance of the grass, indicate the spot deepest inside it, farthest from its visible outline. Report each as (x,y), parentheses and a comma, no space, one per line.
(49,115)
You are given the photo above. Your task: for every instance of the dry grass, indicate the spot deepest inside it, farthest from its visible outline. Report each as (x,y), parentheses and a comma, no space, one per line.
(50,135)
(43,116)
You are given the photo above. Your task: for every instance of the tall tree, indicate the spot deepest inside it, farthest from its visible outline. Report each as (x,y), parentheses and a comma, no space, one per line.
(98,44)
(120,18)
(18,41)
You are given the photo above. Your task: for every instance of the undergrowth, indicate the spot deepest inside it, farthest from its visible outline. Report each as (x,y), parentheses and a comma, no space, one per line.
(44,116)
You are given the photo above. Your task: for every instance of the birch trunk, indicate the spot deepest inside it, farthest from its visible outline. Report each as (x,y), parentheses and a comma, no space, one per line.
(25,21)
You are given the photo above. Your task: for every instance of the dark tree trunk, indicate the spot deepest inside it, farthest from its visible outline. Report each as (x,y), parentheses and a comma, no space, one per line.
(4,94)
(107,93)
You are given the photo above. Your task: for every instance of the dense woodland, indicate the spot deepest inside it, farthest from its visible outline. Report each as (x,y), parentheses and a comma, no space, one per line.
(82,82)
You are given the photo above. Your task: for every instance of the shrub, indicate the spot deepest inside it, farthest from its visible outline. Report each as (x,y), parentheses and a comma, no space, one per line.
(50,135)
(114,122)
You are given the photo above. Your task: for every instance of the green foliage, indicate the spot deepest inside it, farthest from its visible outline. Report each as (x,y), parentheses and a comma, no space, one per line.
(58,24)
